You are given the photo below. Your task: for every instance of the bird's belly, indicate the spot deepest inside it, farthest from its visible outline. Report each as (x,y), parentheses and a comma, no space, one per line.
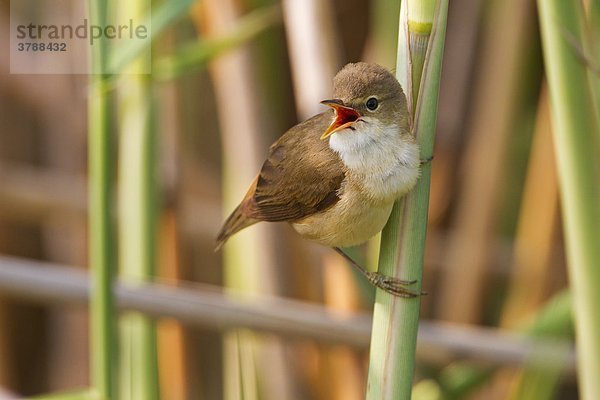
(347,223)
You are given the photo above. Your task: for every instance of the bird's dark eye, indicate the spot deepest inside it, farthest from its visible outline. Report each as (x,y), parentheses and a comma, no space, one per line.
(372,103)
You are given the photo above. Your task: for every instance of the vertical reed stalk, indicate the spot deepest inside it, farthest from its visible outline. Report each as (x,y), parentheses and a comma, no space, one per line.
(497,110)
(248,259)
(535,238)
(314,51)
(577,142)
(383,41)
(395,323)
(101,245)
(534,243)
(594,46)
(137,216)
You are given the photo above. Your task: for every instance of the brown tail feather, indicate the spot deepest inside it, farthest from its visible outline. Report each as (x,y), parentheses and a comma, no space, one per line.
(234,223)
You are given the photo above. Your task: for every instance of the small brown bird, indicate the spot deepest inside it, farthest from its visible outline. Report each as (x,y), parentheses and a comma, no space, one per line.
(335,177)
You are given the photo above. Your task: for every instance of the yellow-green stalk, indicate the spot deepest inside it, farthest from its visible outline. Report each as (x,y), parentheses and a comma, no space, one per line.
(593,24)
(577,142)
(420,19)
(102,312)
(384,36)
(246,257)
(137,216)
(395,321)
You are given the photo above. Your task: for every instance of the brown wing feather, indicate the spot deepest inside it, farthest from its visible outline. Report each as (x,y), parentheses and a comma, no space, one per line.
(300,177)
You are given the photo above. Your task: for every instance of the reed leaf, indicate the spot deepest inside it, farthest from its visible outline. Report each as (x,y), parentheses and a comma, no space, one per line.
(198,54)
(166,14)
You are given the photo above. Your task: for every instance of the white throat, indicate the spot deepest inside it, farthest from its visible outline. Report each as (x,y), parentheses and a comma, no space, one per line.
(385,163)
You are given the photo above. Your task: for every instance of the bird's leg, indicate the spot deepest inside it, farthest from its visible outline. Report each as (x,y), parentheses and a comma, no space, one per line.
(394,286)
(426,161)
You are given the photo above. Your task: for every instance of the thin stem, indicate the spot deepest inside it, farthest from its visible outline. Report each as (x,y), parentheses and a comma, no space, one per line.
(101,243)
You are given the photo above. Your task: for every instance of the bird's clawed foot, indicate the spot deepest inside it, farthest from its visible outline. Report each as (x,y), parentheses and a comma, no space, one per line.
(426,161)
(394,286)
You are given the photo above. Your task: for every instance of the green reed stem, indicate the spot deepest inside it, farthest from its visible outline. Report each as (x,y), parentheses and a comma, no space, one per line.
(395,321)
(102,249)
(137,216)
(577,141)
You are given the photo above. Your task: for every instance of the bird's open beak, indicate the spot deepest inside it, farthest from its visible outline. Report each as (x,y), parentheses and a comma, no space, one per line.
(344,116)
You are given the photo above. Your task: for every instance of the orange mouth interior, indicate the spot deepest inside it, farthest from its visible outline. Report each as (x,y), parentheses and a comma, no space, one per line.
(344,117)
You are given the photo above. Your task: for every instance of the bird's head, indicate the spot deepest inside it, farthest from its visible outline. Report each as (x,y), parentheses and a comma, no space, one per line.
(366,97)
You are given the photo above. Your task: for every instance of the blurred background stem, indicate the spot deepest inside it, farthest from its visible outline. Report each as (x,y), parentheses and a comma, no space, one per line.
(577,141)
(249,257)
(383,40)
(593,38)
(137,215)
(494,122)
(102,250)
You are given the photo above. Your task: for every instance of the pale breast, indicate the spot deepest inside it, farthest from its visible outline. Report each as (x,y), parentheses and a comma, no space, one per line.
(384,163)
(351,221)
(382,166)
